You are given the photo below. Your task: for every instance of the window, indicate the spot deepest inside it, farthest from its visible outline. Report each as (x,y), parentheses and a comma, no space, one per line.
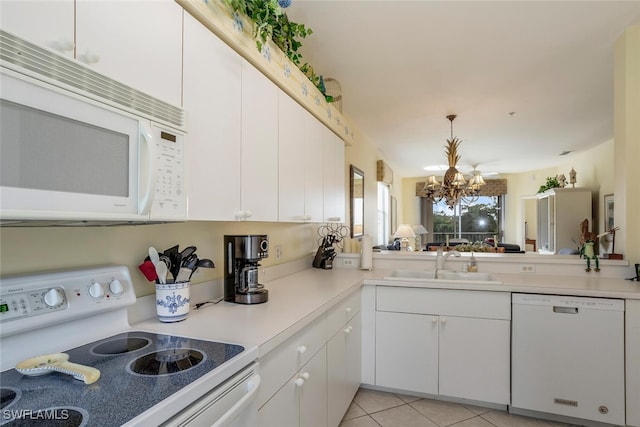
(475,221)
(384,214)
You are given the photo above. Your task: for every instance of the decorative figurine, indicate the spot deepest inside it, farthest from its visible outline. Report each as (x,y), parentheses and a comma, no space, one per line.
(572,178)
(587,241)
(562,180)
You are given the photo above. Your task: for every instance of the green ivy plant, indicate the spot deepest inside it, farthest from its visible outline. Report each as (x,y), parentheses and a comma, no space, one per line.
(552,182)
(271,23)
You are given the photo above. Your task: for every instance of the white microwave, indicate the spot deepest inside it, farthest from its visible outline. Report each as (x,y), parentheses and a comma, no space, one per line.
(78,146)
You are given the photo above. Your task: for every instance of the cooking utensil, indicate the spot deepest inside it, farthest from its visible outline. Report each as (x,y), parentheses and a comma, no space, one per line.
(166,260)
(161,271)
(58,362)
(188,251)
(153,255)
(205,263)
(174,256)
(184,275)
(149,270)
(190,262)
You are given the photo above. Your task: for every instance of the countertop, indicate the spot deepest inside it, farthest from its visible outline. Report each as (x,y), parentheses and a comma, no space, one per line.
(294,302)
(591,286)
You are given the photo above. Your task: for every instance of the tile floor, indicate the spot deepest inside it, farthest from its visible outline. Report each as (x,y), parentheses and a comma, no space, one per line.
(372,408)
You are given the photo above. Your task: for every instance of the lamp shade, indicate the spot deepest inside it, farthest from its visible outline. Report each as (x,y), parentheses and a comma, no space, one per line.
(404,231)
(419,229)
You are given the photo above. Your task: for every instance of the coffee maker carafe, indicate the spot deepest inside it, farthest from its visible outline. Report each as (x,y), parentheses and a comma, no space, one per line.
(241,262)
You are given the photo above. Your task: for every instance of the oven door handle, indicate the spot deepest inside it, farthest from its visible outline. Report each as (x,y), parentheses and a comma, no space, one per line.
(239,407)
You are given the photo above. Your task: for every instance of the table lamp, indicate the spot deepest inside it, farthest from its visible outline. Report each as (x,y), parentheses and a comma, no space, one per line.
(404,233)
(419,230)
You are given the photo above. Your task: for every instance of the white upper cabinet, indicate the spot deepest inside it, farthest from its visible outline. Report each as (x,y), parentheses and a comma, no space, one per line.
(138,43)
(212,101)
(314,169)
(259,159)
(334,177)
(45,23)
(300,163)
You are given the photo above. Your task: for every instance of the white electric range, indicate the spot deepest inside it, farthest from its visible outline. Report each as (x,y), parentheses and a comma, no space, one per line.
(146,378)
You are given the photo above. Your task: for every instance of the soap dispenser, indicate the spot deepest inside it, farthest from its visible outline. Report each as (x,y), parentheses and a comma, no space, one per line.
(473,265)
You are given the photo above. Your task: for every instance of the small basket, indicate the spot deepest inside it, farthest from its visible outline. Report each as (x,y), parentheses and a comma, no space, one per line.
(332,88)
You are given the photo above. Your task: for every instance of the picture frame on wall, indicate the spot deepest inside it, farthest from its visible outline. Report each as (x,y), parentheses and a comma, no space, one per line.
(609,219)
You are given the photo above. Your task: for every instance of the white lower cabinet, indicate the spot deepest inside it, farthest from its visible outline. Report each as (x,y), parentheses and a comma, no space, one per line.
(475,359)
(302,401)
(343,369)
(632,339)
(407,352)
(444,342)
(311,378)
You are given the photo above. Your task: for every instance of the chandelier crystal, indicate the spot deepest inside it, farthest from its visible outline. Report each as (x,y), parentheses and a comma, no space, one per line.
(454,187)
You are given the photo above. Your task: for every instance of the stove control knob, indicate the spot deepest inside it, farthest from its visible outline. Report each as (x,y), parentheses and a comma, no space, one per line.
(116,287)
(96,290)
(53,297)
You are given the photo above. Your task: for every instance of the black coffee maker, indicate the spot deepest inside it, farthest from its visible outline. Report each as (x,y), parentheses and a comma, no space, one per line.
(241,262)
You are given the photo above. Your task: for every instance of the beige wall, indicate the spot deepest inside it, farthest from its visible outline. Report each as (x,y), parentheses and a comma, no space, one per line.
(627,147)
(28,250)
(362,154)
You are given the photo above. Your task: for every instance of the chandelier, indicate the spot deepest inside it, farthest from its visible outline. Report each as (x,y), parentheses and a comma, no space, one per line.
(454,187)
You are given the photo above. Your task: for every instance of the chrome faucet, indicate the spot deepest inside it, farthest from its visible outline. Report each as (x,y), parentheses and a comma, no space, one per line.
(441,257)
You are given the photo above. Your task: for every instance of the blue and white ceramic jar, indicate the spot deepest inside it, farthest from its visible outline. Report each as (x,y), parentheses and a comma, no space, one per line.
(172,301)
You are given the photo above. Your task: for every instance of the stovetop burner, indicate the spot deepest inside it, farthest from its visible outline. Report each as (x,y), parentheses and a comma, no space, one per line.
(8,396)
(166,362)
(120,346)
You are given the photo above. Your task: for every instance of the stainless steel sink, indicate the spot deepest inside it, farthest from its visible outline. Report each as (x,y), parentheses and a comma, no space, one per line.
(464,276)
(441,276)
(419,275)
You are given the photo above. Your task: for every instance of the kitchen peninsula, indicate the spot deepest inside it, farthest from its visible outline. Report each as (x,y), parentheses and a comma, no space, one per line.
(310,308)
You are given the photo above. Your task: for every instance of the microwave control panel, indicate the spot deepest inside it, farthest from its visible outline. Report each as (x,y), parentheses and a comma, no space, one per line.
(170,197)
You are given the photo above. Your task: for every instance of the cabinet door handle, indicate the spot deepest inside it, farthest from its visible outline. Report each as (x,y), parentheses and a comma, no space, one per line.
(348,329)
(347,310)
(302,349)
(299,382)
(565,310)
(434,320)
(443,320)
(305,375)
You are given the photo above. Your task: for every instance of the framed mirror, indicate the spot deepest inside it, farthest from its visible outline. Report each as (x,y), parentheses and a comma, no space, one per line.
(357,202)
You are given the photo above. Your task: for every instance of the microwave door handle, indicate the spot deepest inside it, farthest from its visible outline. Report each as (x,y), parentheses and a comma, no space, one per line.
(150,155)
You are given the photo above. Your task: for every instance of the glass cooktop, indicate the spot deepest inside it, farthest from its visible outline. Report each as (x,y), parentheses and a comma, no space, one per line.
(137,371)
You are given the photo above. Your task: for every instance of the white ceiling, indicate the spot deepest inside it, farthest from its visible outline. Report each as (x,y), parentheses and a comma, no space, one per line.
(405,65)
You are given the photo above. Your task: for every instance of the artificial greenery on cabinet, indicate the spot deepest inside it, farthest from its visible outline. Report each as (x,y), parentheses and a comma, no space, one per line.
(270,22)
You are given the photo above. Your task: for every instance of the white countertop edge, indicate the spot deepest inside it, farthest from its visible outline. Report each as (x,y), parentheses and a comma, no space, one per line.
(594,286)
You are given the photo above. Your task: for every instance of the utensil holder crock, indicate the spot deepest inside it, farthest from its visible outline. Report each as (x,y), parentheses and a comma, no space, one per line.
(172,301)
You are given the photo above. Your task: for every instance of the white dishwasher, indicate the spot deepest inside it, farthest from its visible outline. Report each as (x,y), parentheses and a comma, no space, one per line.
(568,357)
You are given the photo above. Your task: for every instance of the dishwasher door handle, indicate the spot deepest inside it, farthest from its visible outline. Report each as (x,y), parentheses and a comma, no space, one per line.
(565,310)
